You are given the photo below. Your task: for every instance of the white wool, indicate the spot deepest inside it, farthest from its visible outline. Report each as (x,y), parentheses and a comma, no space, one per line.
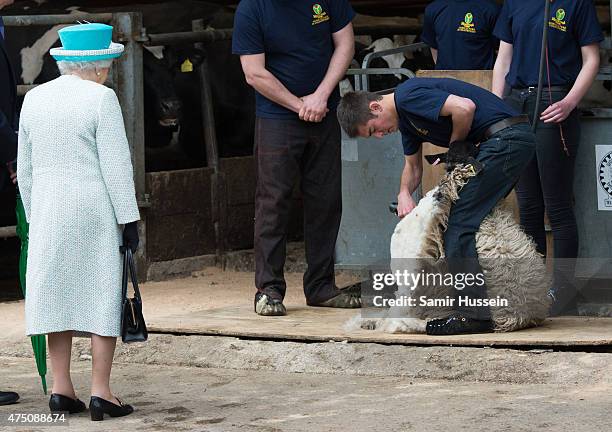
(409,234)
(513,269)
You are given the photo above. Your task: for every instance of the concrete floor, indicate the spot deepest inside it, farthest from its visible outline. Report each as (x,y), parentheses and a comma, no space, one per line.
(216,383)
(181,398)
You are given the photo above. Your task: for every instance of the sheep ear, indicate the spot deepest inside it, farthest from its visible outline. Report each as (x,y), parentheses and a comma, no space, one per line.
(436,159)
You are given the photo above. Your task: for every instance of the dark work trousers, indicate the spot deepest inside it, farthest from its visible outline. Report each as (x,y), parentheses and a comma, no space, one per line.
(504,157)
(547,185)
(284,149)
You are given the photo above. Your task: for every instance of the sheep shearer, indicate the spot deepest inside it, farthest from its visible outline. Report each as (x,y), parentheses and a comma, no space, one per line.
(447,112)
(294,53)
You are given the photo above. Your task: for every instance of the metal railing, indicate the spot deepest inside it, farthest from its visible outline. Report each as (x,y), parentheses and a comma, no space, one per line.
(365,82)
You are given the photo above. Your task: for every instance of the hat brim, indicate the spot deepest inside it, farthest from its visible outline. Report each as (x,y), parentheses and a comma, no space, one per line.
(113,51)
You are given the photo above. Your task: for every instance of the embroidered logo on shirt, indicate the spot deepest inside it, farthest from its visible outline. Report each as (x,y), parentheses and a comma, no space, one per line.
(557,22)
(467,25)
(421,131)
(319,15)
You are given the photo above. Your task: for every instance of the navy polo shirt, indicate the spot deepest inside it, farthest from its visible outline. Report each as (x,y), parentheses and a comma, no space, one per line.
(462,32)
(296,38)
(418,102)
(572,24)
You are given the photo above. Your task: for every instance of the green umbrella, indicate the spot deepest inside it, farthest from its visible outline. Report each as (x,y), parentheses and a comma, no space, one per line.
(39,342)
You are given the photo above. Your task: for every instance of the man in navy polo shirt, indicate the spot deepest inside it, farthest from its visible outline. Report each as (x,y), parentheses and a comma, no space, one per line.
(444,111)
(460,33)
(294,53)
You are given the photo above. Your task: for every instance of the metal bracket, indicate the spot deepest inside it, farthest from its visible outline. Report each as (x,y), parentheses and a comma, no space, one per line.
(145,202)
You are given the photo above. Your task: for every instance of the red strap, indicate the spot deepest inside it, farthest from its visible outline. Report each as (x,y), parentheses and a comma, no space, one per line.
(550,100)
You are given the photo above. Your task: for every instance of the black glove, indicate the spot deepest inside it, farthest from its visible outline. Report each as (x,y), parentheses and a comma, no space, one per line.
(130,236)
(461,151)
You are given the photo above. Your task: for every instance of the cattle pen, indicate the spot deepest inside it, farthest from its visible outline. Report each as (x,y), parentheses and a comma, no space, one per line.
(190,217)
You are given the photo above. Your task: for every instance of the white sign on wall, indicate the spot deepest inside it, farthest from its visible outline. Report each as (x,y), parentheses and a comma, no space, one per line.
(603,161)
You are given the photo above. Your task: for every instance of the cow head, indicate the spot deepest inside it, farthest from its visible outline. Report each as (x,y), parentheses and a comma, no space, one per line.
(160,95)
(162,67)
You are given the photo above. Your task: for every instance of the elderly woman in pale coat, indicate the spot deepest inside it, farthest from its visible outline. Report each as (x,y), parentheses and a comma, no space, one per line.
(75,177)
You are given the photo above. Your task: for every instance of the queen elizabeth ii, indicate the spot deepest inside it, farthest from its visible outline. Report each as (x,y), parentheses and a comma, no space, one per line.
(75,177)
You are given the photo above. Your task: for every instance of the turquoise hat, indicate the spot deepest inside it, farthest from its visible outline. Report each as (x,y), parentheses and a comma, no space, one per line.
(86,42)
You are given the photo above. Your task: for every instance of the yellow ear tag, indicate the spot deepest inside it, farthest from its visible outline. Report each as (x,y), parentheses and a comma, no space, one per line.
(187,66)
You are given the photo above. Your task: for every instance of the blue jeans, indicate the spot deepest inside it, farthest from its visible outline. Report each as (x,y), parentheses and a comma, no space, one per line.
(504,156)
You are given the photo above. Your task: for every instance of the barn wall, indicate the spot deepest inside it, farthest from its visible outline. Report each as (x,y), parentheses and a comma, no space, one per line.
(180,219)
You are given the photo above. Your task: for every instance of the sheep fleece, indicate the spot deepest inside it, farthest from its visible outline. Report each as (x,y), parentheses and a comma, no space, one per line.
(512,267)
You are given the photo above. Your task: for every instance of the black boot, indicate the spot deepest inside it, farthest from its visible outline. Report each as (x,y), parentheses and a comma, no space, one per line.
(61,403)
(457,324)
(98,407)
(8,398)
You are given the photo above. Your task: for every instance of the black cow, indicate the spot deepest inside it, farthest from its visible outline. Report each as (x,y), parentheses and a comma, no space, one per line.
(232,99)
(173,118)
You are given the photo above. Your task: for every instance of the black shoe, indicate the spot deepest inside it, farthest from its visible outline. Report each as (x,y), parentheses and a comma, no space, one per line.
(8,398)
(268,306)
(98,407)
(457,324)
(61,403)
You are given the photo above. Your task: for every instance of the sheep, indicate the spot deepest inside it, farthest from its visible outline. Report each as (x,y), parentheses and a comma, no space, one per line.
(512,267)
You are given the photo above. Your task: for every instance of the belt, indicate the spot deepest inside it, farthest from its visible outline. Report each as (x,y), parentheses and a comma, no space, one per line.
(532,89)
(503,124)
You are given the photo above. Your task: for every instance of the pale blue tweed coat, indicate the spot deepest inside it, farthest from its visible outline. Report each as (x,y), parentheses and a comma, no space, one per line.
(75,177)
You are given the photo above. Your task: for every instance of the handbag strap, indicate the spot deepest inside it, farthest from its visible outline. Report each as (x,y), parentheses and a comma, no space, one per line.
(132,267)
(124,277)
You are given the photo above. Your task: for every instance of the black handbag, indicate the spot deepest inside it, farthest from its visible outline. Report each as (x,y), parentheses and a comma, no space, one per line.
(133,326)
